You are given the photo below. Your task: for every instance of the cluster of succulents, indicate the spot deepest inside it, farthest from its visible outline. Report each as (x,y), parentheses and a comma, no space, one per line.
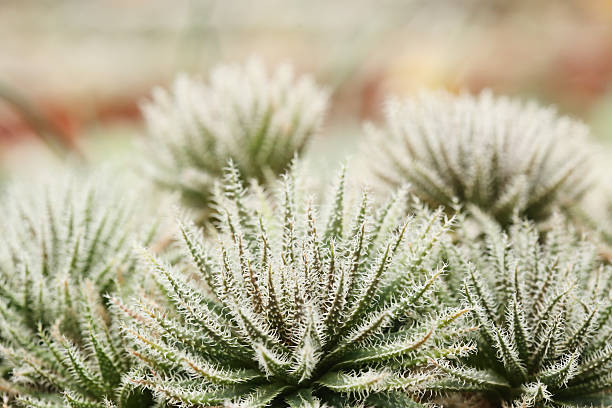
(359,298)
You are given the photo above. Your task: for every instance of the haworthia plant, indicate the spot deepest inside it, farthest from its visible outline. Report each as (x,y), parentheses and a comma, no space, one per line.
(292,309)
(544,308)
(257,119)
(379,302)
(64,247)
(495,153)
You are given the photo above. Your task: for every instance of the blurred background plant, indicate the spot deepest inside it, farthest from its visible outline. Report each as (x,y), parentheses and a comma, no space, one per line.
(73,73)
(259,120)
(499,154)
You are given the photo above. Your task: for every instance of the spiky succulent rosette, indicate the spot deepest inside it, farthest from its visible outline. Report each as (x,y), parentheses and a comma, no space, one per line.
(291,309)
(544,308)
(495,153)
(63,247)
(260,120)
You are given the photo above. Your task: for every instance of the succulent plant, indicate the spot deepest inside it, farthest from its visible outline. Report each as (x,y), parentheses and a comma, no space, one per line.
(545,315)
(475,284)
(63,247)
(287,310)
(260,121)
(496,153)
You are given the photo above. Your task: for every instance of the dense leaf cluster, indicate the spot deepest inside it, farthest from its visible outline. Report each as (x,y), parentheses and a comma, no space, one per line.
(470,287)
(495,153)
(62,249)
(297,310)
(544,310)
(258,120)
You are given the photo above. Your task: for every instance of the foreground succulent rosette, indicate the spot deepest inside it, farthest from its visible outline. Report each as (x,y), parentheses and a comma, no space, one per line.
(287,310)
(544,309)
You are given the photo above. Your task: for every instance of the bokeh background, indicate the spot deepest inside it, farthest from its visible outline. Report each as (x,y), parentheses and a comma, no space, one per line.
(73,72)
